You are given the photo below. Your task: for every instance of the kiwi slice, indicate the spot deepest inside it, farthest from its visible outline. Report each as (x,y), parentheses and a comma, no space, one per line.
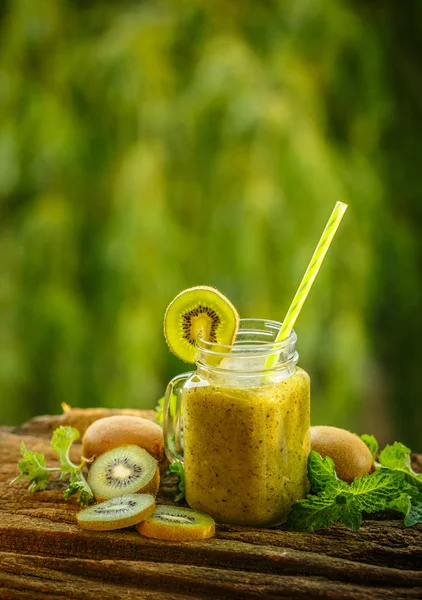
(124,470)
(116,513)
(195,309)
(178,524)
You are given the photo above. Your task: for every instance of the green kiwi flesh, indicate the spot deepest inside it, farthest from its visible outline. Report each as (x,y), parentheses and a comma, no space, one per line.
(199,309)
(118,512)
(176,523)
(124,470)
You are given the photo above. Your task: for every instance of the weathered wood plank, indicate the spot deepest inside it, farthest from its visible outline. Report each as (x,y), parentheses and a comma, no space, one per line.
(174,580)
(24,534)
(40,540)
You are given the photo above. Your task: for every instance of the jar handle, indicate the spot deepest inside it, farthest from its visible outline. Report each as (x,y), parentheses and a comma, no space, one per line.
(172,418)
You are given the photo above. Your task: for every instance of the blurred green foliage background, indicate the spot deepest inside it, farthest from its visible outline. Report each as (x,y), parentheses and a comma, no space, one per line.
(147,146)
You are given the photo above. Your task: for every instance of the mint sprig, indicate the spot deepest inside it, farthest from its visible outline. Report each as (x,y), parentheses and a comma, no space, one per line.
(33,466)
(393,485)
(371,443)
(322,474)
(397,457)
(410,504)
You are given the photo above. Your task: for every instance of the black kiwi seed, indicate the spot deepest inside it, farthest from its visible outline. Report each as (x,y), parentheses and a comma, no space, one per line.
(125,462)
(195,312)
(182,518)
(122,470)
(108,510)
(119,512)
(176,523)
(197,308)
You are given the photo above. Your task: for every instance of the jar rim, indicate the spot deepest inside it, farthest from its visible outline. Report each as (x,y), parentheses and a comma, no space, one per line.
(252,326)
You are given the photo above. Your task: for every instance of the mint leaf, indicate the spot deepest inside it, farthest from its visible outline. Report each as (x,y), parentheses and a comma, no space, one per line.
(313,512)
(410,504)
(374,491)
(397,457)
(345,503)
(371,442)
(414,514)
(401,504)
(350,513)
(178,467)
(393,485)
(322,473)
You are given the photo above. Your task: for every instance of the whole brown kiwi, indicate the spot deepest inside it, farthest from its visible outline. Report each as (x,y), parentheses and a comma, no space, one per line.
(351,456)
(123,430)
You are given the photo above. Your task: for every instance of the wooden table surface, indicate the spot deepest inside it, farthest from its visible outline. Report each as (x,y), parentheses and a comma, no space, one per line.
(45,555)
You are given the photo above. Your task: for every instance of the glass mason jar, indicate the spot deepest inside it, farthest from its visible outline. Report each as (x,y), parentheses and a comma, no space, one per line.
(241,427)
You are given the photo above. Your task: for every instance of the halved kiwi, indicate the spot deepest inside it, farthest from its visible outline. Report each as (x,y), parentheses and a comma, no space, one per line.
(116,513)
(176,523)
(195,309)
(124,470)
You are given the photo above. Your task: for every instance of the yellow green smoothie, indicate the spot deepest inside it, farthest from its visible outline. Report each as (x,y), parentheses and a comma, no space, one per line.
(246,448)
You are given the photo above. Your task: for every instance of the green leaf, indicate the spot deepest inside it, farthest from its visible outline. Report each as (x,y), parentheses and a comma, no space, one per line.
(63,438)
(371,442)
(322,473)
(414,514)
(393,485)
(350,513)
(33,467)
(401,504)
(313,512)
(178,467)
(345,503)
(397,457)
(410,504)
(79,485)
(373,492)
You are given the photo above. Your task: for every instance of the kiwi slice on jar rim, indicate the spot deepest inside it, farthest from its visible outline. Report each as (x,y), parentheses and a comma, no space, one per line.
(176,523)
(199,309)
(124,470)
(116,513)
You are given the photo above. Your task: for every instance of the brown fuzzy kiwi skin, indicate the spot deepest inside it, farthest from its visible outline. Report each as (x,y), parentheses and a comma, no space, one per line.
(150,488)
(123,430)
(209,289)
(351,456)
(102,526)
(161,531)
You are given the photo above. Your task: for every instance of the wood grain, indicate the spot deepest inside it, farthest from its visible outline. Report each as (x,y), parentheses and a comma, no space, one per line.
(44,554)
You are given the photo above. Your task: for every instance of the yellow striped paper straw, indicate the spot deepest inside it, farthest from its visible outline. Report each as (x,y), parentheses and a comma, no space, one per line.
(309,277)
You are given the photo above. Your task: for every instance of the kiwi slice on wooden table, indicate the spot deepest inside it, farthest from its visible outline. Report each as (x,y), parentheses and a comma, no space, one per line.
(175,523)
(195,309)
(116,513)
(124,470)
